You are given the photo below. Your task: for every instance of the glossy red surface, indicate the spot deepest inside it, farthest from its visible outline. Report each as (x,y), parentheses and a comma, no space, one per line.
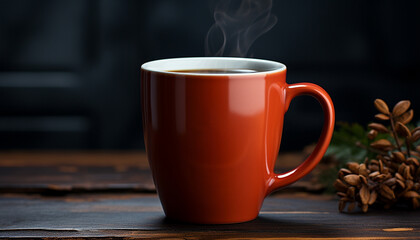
(212,141)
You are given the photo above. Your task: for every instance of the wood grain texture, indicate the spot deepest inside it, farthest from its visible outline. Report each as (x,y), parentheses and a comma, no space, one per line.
(91,195)
(140,216)
(63,172)
(69,172)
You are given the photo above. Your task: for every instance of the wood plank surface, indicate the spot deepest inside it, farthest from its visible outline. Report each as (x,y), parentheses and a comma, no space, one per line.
(110,195)
(129,216)
(64,172)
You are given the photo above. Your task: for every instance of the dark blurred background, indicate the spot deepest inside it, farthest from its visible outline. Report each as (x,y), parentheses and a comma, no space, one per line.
(70,70)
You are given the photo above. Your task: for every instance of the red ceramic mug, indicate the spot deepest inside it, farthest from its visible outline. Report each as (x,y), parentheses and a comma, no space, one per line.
(212,137)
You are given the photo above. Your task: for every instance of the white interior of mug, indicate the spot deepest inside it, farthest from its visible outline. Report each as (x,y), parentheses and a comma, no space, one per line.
(195,63)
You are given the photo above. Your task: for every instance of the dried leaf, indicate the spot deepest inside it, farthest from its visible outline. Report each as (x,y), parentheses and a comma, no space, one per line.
(373,168)
(366,162)
(352,179)
(374,174)
(390,181)
(401,183)
(381,106)
(382,144)
(407,174)
(411,194)
(399,176)
(412,169)
(363,179)
(351,192)
(398,156)
(403,130)
(351,206)
(341,194)
(415,203)
(340,186)
(372,198)
(406,117)
(400,108)
(341,176)
(363,170)
(364,194)
(381,166)
(415,136)
(380,177)
(401,169)
(381,116)
(378,127)
(412,160)
(372,134)
(409,184)
(386,192)
(341,205)
(354,167)
(415,129)
(365,208)
(345,171)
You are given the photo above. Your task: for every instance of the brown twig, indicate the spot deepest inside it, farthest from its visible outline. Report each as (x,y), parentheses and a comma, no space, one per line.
(394,133)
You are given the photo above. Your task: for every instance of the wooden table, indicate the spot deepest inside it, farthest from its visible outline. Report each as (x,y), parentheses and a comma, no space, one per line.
(111,195)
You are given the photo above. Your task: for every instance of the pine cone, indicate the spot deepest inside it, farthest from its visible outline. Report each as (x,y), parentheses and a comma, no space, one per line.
(394,176)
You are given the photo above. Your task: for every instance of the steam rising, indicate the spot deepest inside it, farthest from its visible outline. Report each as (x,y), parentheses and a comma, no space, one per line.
(237,25)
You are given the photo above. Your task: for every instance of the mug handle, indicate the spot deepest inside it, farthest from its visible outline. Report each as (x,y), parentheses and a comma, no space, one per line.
(291,91)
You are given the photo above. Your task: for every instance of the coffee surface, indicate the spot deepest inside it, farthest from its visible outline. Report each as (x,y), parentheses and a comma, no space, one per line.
(216,71)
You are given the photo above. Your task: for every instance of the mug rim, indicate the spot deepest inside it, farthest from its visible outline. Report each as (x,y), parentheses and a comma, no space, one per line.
(170,65)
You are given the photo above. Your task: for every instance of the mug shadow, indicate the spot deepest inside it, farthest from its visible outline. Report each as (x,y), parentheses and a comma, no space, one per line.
(262,226)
